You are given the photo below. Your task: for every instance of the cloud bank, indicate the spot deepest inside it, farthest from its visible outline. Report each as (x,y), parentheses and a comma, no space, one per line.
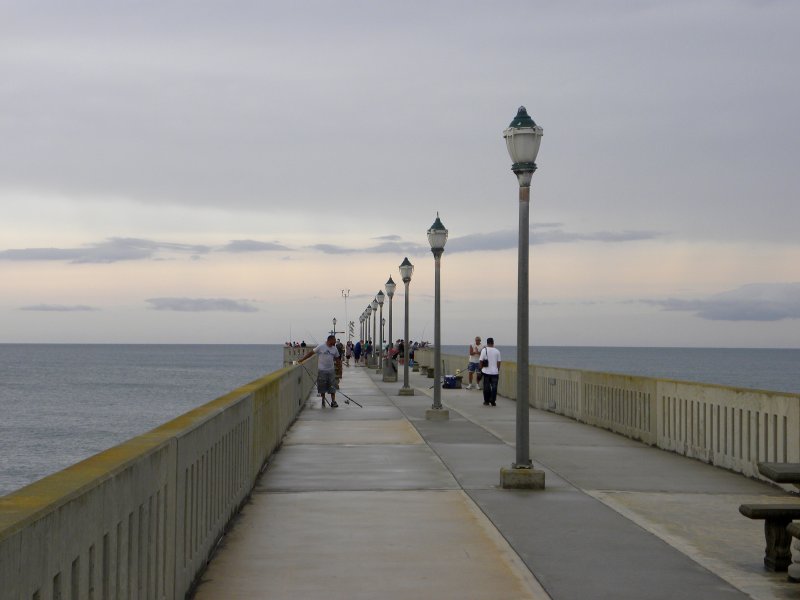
(109,251)
(494,240)
(252,246)
(58,308)
(201,305)
(752,302)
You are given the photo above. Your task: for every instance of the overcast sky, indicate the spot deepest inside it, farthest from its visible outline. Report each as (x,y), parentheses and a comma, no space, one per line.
(219,172)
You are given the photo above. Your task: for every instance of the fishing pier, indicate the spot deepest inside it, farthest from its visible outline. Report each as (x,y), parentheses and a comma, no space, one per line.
(263,493)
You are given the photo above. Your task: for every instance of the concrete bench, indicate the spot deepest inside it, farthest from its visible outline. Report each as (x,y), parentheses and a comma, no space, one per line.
(776,517)
(780,472)
(794,569)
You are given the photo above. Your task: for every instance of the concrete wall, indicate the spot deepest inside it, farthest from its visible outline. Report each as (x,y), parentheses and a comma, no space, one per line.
(139,520)
(290,353)
(730,427)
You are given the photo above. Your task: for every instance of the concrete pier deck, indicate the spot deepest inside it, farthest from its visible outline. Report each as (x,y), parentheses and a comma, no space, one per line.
(377,502)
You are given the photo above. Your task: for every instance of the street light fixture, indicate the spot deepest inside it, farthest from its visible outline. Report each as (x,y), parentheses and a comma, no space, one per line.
(374,308)
(390,373)
(406,270)
(523,138)
(334,326)
(368,323)
(379,297)
(437,238)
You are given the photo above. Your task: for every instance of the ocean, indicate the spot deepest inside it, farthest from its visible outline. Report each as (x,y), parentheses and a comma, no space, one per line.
(61,403)
(774,369)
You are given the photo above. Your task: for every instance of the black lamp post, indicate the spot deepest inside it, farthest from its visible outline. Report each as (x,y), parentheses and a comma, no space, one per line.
(523,138)
(373,306)
(406,270)
(390,373)
(379,297)
(437,238)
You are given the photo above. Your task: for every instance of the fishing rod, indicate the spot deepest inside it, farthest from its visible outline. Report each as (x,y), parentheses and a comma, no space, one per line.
(347,400)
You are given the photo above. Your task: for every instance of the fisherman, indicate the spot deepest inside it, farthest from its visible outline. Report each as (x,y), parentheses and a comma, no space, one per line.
(329,357)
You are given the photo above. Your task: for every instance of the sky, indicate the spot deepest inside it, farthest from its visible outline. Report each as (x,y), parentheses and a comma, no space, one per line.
(243,172)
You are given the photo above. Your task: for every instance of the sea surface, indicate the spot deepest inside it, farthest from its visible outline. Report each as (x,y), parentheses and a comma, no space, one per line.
(774,369)
(61,403)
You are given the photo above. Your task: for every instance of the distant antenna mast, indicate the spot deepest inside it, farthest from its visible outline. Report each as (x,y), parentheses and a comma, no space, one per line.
(345,294)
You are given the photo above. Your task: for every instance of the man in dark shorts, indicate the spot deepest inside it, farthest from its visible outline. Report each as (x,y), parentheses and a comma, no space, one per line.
(326,371)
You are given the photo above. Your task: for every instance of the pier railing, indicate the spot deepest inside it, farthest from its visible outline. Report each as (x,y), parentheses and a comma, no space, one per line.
(140,520)
(730,427)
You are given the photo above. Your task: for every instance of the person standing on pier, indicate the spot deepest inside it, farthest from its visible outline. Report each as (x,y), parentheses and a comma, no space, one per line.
(338,363)
(490,367)
(474,362)
(326,371)
(348,352)
(357,351)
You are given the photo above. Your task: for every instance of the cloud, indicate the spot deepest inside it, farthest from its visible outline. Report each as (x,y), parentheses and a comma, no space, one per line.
(109,251)
(58,308)
(333,249)
(752,302)
(252,246)
(389,247)
(117,249)
(200,305)
(505,240)
(493,240)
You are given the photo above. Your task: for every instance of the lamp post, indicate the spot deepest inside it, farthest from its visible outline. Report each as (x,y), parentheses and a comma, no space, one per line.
(368,323)
(437,237)
(364,335)
(406,270)
(374,308)
(523,138)
(333,332)
(390,373)
(379,297)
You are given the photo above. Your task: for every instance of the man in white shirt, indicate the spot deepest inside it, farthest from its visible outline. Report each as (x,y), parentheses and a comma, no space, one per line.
(474,361)
(490,367)
(326,370)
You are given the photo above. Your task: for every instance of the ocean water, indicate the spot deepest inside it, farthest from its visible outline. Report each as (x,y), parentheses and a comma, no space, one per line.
(61,403)
(756,368)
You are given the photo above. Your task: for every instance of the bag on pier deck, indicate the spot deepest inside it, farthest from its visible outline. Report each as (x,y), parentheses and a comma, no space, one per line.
(450,382)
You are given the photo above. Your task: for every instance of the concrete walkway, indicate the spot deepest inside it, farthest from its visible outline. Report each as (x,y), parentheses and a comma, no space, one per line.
(377,502)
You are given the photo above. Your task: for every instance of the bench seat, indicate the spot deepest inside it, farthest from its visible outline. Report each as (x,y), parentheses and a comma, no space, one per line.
(776,517)
(780,472)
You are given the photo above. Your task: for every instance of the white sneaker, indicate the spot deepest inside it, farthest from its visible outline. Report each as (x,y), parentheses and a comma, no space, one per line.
(470,386)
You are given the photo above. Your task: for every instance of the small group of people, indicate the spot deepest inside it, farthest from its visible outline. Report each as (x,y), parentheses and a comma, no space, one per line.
(484,365)
(363,349)
(295,344)
(360,349)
